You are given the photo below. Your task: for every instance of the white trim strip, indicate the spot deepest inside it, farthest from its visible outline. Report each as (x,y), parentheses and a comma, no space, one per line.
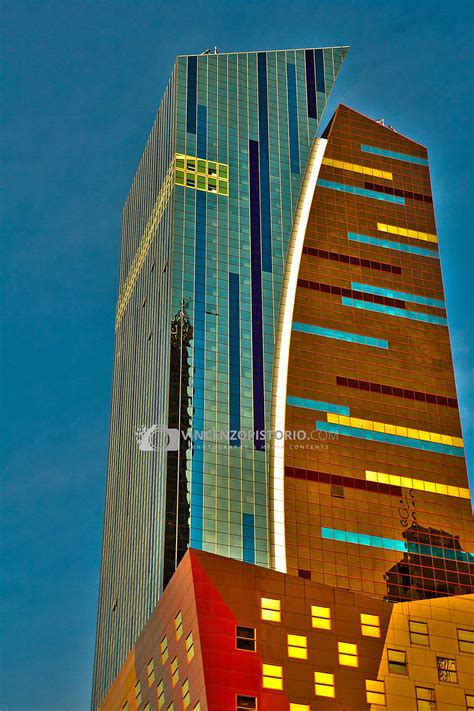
(282,352)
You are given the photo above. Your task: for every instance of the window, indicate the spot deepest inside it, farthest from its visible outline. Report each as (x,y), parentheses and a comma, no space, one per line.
(272,677)
(271,610)
(170,707)
(370,625)
(375,692)
(447,669)
(466,641)
(245,638)
(418,632)
(147,707)
(178,626)
(197,707)
(246,702)
(189,647)
(174,672)
(150,670)
(164,649)
(425,699)
(125,706)
(138,692)
(299,707)
(347,654)
(297,646)
(186,696)
(397,661)
(321,617)
(469,701)
(324,685)
(160,692)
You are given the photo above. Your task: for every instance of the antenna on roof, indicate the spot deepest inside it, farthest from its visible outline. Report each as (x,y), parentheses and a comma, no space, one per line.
(382,123)
(216,51)
(206,51)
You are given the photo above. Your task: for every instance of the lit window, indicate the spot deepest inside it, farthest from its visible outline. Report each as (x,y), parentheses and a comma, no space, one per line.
(186,696)
(245,638)
(271,610)
(447,669)
(375,692)
(160,692)
(245,702)
(425,699)
(174,671)
(272,677)
(178,626)
(297,646)
(466,641)
(164,649)
(299,707)
(418,632)
(370,625)
(397,661)
(150,670)
(324,685)
(138,692)
(347,654)
(189,647)
(470,701)
(321,617)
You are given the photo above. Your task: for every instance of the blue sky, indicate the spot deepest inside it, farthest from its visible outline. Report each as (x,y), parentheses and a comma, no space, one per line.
(81,84)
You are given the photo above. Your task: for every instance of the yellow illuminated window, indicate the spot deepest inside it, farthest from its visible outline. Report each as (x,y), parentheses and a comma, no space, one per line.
(271,610)
(358,168)
(324,685)
(138,692)
(425,699)
(201,174)
(397,661)
(447,669)
(321,617)
(297,646)
(403,232)
(245,638)
(370,625)
(347,654)
(150,670)
(189,647)
(164,649)
(272,677)
(470,701)
(418,632)
(160,692)
(245,702)
(299,707)
(186,696)
(466,641)
(174,672)
(375,692)
(178,626)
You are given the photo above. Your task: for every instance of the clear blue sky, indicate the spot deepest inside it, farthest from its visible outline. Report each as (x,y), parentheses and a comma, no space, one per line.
(81,84)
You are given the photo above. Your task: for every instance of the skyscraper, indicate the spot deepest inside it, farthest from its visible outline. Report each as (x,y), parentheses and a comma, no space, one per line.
(272,281)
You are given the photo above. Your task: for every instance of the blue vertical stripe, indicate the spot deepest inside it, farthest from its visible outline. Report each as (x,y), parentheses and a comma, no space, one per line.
(234,358)
(191,95)
(310,83)
(248,537)
(264,163)
(199,336)
(320,77)
(256,279)
(293,118)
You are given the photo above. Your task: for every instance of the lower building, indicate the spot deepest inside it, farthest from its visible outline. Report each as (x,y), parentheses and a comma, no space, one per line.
(229,636)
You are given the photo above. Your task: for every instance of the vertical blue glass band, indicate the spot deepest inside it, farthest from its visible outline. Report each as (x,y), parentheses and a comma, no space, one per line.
(248,538)
(256,278)
(264,163)
(191,95)
(234,358)
(310,83)
(320,77)
(293,118)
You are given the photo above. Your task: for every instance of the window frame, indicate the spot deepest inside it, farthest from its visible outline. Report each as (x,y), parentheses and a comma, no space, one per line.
(401,665)
(248,639)
(414,633)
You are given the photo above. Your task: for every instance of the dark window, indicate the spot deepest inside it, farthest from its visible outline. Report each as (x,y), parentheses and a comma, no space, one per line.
(245,639)
(246,702)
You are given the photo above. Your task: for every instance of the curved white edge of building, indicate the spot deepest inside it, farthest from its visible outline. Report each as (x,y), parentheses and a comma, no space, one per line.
(282,353)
